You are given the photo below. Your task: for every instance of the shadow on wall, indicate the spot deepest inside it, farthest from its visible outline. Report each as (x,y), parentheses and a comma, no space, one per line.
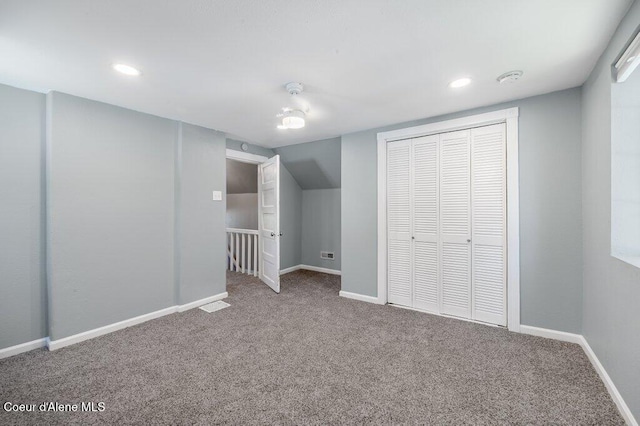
(312,169)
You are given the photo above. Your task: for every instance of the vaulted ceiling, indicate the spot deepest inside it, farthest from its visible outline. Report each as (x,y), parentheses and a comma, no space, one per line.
(364,64)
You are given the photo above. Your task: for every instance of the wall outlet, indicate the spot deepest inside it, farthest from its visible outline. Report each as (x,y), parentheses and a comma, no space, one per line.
(327,255)
(217,195)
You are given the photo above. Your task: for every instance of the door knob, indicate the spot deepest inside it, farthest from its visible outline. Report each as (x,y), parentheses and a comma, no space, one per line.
(273,234)
(280,234)
(468,240)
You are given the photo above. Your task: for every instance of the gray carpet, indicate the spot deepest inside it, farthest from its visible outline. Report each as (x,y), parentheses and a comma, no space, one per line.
(308,356)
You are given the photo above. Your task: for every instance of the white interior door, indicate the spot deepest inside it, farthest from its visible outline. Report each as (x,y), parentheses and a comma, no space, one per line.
(455,224)
(269,221)
(399,264)
(488,241)
(425,223)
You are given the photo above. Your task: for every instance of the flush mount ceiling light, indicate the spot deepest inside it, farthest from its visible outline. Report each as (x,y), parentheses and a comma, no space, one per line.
(461,82)
(510,77)
(629,60)
(126,69)
(292,118)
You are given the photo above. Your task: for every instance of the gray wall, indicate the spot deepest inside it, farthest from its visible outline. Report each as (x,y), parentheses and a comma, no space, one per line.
(132,227)
(111,214)
(201,233)
(252,149)
(550,208)
(321,227)
(290,220)
(242,211)
(314,165)
(22,277)
(611,319)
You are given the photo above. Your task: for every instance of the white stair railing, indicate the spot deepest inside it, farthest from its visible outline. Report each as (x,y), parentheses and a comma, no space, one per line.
(243,251)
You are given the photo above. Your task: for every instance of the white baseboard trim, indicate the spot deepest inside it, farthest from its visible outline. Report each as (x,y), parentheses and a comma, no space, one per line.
(86,335)
(81,337)
(611,387)
(195,304)
(551,334)
(580,340)
(360,297)
(319,269)
(291,269)
(310,268)
(23,347)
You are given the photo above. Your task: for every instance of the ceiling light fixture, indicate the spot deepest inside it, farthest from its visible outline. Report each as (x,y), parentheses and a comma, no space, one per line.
(127,70)
(292,118)
(461,82)
(510,76)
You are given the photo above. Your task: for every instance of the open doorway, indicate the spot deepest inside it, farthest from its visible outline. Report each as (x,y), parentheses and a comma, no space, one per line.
(242,217)
(253,216)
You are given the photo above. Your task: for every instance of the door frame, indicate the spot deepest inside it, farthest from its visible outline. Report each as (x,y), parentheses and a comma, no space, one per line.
(245,157)
(510,118)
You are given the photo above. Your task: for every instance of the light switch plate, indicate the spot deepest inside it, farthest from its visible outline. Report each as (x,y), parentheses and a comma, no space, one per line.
(217,195)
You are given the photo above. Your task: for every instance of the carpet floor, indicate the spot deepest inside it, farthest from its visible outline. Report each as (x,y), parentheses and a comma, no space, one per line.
(308,356)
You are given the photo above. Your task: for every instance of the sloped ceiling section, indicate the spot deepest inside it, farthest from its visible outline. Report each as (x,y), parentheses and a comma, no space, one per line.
(242,178)
(315,165)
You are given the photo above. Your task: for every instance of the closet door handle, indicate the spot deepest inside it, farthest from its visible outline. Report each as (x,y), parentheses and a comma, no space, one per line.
(468,240)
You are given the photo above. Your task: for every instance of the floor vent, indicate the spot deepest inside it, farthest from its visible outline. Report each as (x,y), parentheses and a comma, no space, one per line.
(215,306)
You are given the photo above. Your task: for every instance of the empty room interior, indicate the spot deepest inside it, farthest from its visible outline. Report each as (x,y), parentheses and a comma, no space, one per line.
(320,212)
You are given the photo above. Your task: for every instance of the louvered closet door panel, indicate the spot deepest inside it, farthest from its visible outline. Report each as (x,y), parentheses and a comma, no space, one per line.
(455,224)
(488,198)
(399,222)
(425,223)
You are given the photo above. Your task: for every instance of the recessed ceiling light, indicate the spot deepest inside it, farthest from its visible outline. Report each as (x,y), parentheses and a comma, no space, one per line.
(461,82)
(126,69)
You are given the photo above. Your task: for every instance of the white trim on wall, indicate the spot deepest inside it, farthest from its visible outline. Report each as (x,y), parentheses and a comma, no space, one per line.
(195,304)
(290,269)
(508,116)
(96,332)
(360,297)
(245,157)
(23,347)
(579,339)
(310,268)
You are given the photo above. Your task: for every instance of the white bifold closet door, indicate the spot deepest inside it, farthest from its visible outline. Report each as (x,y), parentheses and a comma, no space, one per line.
(455,223)
(399,222)
(489,236)
(425,223)
(446,223)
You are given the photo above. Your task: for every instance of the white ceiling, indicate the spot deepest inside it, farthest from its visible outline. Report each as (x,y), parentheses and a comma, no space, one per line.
(364,63)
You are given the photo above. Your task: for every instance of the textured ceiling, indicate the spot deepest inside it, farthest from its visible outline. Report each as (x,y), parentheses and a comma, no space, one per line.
(223,64)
